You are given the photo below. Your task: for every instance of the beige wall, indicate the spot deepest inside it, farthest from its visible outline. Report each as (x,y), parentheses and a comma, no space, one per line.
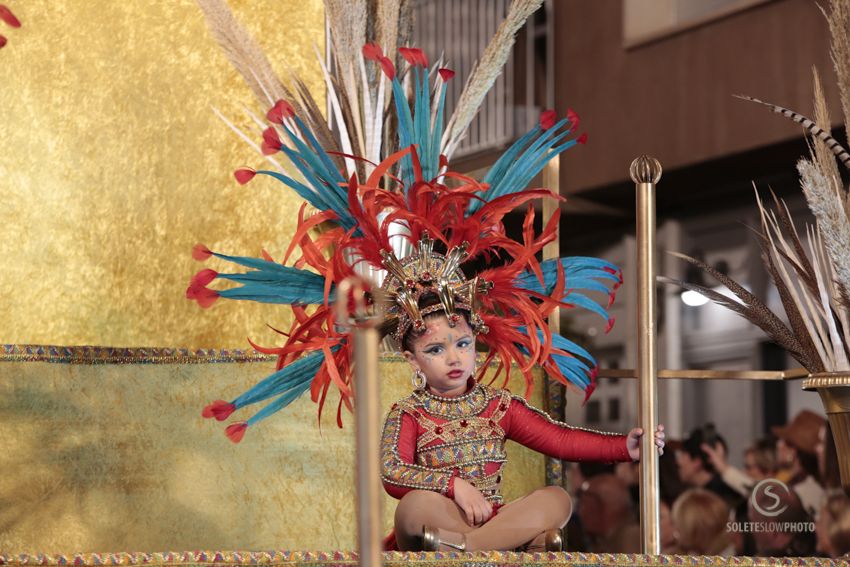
(673,98)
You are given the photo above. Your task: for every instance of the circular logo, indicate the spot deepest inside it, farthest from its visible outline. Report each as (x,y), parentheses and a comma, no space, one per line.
(771,505)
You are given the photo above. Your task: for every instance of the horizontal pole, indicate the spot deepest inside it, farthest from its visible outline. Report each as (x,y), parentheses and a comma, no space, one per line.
(696,374)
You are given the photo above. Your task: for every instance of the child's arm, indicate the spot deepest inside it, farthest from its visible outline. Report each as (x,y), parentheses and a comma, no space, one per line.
(534,429)
(399,472)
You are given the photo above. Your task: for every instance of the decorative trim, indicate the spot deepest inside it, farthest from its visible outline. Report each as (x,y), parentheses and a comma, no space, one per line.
(142,355)
(138,355)
(120,355)
(826,380)
(397,559)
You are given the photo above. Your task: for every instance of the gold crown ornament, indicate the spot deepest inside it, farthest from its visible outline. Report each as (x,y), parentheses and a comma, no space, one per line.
(424,272)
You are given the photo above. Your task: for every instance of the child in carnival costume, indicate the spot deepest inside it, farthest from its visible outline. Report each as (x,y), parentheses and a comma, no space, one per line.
(443,447)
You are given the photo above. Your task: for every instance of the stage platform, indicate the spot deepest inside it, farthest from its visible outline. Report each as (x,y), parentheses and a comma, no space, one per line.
(397,559)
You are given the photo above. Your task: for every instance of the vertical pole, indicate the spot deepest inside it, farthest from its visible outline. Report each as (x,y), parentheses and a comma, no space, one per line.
(645,172)
(554,395)
(367,398)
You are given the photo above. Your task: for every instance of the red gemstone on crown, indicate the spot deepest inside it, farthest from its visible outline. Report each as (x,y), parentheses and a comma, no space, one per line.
(418,324)
(410,283)
(463,423)
(438,430)
(425,277)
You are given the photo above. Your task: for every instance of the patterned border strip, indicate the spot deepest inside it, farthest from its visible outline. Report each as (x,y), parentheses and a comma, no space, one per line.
(137,355)
(142,355)
(396,559)
(120,355)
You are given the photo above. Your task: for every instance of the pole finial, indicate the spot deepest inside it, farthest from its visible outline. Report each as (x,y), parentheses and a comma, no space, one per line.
(645,169)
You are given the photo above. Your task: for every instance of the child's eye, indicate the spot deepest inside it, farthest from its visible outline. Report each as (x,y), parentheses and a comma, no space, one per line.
(464,343)
(434,350)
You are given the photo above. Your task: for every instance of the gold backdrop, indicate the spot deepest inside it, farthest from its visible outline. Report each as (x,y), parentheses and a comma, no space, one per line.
(113,165)
(116,457)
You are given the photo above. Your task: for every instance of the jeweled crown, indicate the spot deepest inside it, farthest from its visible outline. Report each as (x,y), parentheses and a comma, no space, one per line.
(426,271)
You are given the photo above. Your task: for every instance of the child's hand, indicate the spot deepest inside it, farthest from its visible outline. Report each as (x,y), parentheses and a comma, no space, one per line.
(633,441)
(472,502)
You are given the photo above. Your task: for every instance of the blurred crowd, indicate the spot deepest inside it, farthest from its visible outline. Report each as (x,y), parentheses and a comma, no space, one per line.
(786,501)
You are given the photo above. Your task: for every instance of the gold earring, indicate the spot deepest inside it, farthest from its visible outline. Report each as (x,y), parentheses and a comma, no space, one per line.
(418,380)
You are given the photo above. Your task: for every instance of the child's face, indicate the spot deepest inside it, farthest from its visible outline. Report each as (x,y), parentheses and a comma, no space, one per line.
(446,355)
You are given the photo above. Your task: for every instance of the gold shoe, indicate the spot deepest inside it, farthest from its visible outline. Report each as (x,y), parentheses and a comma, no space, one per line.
(550,540)
(431,540)
(554,540)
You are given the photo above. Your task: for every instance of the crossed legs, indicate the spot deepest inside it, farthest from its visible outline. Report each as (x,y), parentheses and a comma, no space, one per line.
(516,523)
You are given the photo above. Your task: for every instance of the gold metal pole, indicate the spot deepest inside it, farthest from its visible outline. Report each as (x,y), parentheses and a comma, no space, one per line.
(367,397)
(552,181)
(645,172)
(554,394)
(697,374)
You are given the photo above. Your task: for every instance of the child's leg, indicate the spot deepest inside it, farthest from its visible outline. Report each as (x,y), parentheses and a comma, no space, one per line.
(517,523)
(522,520)
(421,508)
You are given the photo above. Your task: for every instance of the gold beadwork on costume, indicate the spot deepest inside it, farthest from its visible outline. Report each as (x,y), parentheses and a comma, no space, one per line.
(455,439)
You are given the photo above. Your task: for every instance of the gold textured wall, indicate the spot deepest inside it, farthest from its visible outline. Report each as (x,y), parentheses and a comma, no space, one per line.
(115,457)
(113,165)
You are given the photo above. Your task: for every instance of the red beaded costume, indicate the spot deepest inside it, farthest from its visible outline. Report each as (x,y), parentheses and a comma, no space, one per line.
(429,440)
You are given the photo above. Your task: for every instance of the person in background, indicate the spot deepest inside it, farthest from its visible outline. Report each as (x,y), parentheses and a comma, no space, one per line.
(774,540)
(695,468)
(828,467)
(833,527)
(606,513)
(759,463)
(797,460)
(699,520)
(669,537)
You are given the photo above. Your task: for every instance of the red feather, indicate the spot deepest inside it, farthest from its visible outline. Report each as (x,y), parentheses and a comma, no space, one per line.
(548,119)
(7,16)
(201,252)
(206,297)
(372,52)
(387,66)
(582,139)
(3,41)
(279,111)
(236,431)
(271,141)
(244,175)
(202,278)
(219,409)
(446,74)
(414,56)
(573,118)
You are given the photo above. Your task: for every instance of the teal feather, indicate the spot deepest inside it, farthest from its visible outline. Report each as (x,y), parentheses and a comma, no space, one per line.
(290,382)
(273,283)
(291,376)
(522,162)
(573,368)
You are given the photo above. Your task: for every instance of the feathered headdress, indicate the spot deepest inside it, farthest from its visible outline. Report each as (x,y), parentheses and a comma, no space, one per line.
(449,219)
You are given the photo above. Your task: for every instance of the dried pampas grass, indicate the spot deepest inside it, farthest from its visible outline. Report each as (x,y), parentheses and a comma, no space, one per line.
(243,52)
(486,71)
